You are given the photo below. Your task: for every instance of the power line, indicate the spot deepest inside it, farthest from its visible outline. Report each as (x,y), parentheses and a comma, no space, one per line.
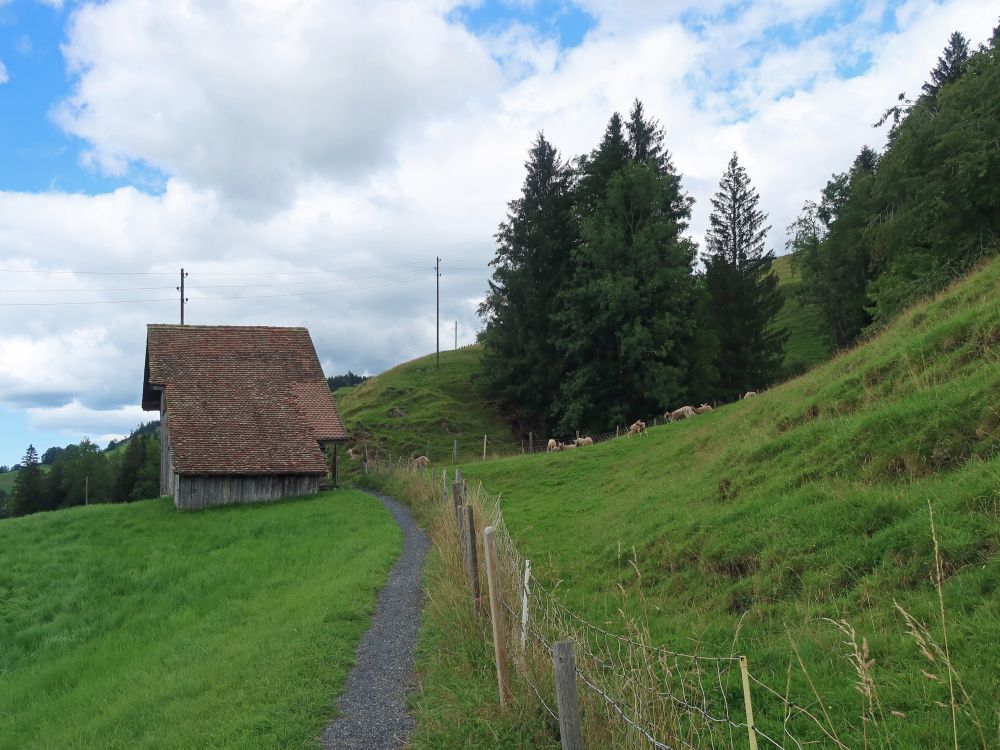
(411,264)
(88,273)
(206,299)
(88,302)
(104,289)
(201,286)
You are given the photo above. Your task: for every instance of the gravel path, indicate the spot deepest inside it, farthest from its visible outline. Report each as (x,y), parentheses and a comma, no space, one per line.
(372,709)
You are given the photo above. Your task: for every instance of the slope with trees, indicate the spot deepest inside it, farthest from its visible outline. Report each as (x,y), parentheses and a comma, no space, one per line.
(901,224)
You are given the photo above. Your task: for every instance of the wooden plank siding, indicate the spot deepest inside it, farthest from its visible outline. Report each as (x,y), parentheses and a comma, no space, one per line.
(193,491)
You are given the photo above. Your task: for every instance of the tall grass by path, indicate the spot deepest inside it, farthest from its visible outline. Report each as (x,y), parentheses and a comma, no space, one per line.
(136,626)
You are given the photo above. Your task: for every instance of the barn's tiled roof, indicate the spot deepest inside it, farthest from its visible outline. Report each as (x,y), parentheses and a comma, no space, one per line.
(240,399)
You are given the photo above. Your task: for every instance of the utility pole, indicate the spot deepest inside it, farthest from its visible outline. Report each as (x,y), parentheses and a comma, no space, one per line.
(183,298)
(456,335)
(86,490)
(437,274)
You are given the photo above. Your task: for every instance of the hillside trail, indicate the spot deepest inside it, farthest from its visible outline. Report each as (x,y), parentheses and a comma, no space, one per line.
(372,712)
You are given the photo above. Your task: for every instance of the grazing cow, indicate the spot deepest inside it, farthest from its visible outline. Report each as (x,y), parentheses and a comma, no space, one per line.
(420,462)
(702,409)
(584,441)
(552,446)
(749,394)
(637,428)
(566,446)
(685,412)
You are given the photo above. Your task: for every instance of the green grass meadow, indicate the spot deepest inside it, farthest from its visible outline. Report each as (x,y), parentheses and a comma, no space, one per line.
(137,626)
(749,529)
(439,406)
(807,343)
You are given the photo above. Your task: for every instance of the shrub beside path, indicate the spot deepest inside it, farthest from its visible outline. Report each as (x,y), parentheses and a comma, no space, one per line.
(372,710)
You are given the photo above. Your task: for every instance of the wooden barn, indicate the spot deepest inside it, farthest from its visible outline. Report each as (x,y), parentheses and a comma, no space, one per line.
(246,414)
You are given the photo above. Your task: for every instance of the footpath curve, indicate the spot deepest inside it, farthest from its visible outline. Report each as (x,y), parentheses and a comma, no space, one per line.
(372,710)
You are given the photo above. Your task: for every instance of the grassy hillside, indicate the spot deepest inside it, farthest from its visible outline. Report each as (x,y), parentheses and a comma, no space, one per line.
(807,343)
(8,477)
(417,409)
(135,626)
(740,530)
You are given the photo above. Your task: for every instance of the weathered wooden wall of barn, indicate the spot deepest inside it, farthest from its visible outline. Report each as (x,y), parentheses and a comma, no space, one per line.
(166,465)
(192,492)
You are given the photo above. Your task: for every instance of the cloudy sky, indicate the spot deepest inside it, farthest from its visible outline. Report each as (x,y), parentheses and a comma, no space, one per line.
(306,161)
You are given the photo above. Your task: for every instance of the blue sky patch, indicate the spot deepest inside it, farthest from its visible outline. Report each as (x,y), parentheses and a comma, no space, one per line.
(554,19)
(36,155)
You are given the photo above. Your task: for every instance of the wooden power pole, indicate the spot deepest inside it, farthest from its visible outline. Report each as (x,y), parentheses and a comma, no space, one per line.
(183,298)
(437,278)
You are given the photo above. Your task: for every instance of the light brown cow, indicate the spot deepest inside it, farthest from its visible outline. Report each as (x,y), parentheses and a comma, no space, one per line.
(420,462)
(704,408)
(685,412)
(749,394)
(566,446)
(584,441)
(637,428)
(552,446)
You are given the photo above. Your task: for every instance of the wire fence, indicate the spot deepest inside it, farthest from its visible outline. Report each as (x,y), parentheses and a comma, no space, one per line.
(488,448)
(636,694)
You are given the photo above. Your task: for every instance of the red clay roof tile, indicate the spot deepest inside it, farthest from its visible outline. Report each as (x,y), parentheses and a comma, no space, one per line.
(241,399)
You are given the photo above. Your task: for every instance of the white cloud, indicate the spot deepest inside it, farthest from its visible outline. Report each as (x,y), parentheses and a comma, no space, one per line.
(4,76)
(76,421)
(315,137)
(252,100)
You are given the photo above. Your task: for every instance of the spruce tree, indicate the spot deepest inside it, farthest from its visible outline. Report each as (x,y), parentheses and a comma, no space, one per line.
(742,286)
(597,168)
(29,490)
(521,367)
(627,319)
(950,65)
(645,141)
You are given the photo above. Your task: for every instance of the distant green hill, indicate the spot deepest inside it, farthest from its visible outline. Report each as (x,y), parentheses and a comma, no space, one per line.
(416,409)
(808,344)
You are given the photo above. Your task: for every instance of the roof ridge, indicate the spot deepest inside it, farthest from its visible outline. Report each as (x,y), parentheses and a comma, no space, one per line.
(186,326)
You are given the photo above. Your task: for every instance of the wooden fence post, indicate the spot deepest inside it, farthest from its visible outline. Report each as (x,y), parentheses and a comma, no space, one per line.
(531,441)
(751,729)
(365,466)
(444,484)
(454,452)
(471,555)
(458,500)
(569,709)
(524,606)
(484,447)
(496,614)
